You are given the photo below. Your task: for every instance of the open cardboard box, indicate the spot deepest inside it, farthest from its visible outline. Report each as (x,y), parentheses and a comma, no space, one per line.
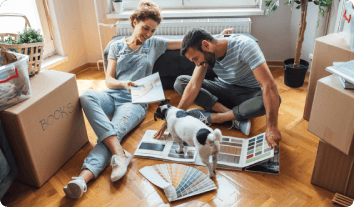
(47,129)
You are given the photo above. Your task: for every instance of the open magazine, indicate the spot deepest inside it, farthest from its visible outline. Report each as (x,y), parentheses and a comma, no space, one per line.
(235,153)
(149,90)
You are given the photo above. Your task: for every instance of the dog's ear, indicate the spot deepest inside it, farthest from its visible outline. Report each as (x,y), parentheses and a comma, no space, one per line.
(157,115)
(166,101)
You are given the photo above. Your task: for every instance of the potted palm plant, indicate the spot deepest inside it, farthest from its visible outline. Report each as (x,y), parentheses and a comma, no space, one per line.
(295,68)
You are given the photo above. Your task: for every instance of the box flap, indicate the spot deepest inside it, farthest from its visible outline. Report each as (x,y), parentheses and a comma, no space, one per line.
(336,40)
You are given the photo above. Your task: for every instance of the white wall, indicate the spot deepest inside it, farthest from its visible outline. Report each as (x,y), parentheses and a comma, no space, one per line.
(69,24)
(90,30)
(273,33)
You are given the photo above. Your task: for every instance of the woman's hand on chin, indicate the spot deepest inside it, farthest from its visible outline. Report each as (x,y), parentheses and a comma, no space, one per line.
(128,84)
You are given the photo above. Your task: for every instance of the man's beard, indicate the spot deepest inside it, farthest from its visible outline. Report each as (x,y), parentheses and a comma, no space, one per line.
(210,59)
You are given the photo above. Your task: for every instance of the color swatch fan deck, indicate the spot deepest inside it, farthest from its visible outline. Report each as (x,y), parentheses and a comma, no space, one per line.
(177,180)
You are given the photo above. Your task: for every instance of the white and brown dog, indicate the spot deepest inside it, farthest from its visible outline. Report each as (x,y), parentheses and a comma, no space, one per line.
(184,127)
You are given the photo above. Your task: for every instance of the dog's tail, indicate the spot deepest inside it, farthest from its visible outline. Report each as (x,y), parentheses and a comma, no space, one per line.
(215,135)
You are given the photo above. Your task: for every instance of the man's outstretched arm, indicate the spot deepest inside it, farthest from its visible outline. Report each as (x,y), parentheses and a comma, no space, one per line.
(271,103)
(190,93)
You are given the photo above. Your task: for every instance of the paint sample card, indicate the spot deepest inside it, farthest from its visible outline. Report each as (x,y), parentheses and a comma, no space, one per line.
(257,149)
(240,153)
(164,149)
(230,150)
(186,153)
(178,181)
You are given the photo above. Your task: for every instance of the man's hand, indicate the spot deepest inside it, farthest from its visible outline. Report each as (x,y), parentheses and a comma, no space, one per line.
(128,84)
(226,31)
(161,131)
(273,138)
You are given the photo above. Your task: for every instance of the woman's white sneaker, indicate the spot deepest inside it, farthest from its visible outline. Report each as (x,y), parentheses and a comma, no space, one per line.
(75,188)
(120,165)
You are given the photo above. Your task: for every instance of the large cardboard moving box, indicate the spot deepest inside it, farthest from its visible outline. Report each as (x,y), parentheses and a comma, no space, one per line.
(332,116)
(47,129)
(333,171)
(328,49)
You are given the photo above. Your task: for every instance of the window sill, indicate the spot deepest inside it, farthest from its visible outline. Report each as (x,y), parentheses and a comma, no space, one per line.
(53,61)
(178,13)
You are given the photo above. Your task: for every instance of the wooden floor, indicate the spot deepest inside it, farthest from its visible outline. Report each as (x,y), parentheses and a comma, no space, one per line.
(291,188)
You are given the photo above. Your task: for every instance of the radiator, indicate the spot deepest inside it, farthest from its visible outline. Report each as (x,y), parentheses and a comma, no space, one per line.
(181,26)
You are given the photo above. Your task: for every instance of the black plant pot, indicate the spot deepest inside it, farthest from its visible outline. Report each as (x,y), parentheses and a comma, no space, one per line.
(294,77)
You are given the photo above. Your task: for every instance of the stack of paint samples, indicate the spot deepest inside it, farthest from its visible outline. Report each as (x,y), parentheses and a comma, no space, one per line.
(178,181)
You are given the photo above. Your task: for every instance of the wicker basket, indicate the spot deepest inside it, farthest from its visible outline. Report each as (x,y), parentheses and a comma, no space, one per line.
(33,50)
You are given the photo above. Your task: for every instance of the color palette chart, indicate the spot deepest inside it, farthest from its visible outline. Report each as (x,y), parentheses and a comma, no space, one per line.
(238,153)
(230,150)
(178,181)
(257,149)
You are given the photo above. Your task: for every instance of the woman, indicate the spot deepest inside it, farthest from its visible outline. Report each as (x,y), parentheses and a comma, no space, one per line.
(129,59)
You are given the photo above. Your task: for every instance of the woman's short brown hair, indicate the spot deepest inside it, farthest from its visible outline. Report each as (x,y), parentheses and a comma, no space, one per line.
(146,10)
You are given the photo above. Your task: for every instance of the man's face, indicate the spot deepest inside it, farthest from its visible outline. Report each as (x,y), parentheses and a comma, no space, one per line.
(204,58)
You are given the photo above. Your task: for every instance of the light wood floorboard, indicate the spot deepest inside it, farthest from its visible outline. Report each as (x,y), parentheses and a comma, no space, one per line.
(291,188)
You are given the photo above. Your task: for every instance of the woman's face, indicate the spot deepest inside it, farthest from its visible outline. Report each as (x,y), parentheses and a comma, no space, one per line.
(143,30)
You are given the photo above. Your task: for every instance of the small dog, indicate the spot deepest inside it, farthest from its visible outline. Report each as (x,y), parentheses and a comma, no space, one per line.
(184,127)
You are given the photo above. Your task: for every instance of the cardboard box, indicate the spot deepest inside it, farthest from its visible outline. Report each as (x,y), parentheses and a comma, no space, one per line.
(332,116)
(47,129)
(328,49)
(333,170)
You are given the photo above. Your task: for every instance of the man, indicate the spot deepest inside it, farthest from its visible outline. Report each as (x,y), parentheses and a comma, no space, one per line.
(244,88)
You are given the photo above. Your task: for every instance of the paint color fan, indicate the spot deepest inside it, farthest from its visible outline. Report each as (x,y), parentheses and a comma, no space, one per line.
(177,180)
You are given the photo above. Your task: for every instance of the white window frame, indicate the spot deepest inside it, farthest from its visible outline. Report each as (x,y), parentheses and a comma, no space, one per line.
(193,8)
(196,4)
(53,52)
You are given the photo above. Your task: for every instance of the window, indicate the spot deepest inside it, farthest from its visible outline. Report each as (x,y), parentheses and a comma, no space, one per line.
(197,4)
(31,10)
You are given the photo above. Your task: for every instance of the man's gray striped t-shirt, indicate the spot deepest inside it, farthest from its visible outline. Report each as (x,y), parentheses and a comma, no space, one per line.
(242,56)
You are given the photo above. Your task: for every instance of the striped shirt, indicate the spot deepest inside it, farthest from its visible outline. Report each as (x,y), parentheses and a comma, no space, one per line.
(242,56)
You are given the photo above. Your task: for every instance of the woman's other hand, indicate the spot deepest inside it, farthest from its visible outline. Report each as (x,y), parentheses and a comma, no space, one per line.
(128,84)
(161,131)
(227,31)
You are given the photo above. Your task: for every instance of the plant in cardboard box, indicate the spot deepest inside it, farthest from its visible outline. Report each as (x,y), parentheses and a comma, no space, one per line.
(29,42)
(295,68)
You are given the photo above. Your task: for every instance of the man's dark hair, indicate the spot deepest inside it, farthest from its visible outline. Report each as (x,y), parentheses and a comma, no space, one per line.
(194,38)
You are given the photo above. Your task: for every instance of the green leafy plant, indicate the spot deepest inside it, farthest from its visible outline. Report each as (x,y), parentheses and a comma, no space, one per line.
(27,36)
(272,5)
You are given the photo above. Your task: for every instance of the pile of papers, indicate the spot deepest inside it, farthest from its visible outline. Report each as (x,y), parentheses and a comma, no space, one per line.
(344,72)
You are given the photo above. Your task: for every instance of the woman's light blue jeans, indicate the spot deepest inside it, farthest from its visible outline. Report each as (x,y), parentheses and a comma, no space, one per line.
(109,114)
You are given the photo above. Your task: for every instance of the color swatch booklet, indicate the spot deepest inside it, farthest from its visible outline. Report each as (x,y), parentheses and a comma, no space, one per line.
(235,153)
(178,181)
